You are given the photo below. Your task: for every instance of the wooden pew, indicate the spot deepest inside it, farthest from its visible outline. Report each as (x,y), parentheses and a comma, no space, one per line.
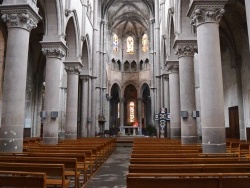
(70,164)
(182,155)
(81,161)
(55,172)
(244,149)
(22,179)
(190,168)
(90,159)
(187,160)
(188,180)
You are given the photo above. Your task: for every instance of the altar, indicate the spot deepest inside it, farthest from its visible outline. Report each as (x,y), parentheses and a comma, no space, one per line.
(129,130)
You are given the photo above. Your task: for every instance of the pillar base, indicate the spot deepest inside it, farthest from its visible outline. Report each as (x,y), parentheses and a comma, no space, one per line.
(214,148)
(70,136)
(189,139)
(14,146)
(175,133)
(50,140)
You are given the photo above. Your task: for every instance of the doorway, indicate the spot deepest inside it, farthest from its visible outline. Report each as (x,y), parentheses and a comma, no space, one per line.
(234,129)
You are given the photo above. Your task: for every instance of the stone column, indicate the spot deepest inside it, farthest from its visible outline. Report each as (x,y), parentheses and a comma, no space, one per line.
(55,52)
(84,113)
(95,92)
(166,100)
(247,5)
(122,100)
(206,16)
(174,92)
(20,20)
(140,101)
(185,50)
(73,69)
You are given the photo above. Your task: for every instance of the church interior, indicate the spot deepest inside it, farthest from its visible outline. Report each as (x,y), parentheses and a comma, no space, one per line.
(146,92)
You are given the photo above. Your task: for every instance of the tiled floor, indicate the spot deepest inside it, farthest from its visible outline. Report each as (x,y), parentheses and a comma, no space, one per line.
(113,172)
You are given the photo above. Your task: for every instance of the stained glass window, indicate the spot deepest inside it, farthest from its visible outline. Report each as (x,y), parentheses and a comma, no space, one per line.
(132,111)
(145,43)
(115,43)
(130,45)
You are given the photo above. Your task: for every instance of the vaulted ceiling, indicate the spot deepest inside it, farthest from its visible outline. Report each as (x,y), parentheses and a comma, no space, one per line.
(128,17)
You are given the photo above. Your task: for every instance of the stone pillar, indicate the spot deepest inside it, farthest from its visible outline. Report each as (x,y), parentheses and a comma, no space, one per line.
(20,20)
(73,69)
(122,100)
(206,17)
(166,100)
(84,113)
(185,50)
(55,52)
(174,92)
(247,5)
(96,83)
(140,101)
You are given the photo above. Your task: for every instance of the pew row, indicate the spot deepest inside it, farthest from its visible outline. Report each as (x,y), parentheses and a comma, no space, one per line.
(188,180)
(55,173)
(22,179)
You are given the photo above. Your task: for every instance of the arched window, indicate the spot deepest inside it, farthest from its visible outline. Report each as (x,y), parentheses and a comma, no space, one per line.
(130,45)
(115,43)
(132,112)
(145,43)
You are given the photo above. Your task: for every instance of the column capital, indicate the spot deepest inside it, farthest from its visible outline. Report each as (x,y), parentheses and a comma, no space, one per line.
(73,67)
(54,49)
(206,11)
(84,78)
(165,76)
(20,16)
(172,66)
(185,47)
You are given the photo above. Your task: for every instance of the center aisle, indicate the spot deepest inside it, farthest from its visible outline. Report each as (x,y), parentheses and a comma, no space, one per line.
(112,173)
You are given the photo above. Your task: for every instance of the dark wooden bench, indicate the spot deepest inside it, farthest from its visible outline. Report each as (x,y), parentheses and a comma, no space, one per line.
(157,154)
(70,164)
(190,168)
(188,180)
(55,172)
(22,179)
(187,160)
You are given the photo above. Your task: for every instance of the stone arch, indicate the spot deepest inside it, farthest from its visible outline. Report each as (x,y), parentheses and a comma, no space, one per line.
(119,84)
(170,31)
(72,37)
(126,66)
(146,104)
(53,17)
(86,55)
(133,66)
(114,114)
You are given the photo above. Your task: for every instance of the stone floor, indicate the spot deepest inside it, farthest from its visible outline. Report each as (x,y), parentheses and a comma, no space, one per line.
(113,172)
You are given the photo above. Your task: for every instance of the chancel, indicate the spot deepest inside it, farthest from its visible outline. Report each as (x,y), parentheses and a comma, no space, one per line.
(150,80)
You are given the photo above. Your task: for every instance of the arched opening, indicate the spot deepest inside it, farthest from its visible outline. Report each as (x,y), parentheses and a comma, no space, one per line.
(146,107)
(130,95)
(114,112)
(126,66)
(133,66)
(71,39)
